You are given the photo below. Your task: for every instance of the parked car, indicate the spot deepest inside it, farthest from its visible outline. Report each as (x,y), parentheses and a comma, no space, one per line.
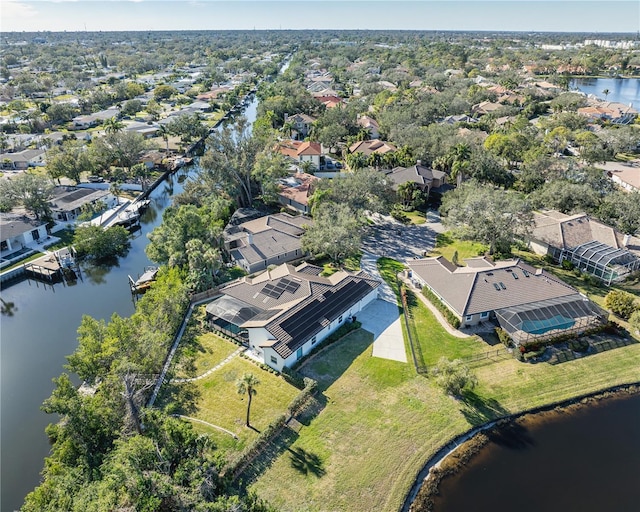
(95,179)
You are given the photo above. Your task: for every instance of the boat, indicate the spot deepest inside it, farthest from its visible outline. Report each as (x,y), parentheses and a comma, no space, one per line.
(145,281)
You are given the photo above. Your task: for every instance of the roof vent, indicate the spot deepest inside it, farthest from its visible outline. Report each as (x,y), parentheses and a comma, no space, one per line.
(495,285)
(502,285)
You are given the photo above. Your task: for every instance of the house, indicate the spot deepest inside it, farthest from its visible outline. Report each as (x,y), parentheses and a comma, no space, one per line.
(310,152)
(368,147)
(22,159)
(462,118)
(529,303)
(624,174)
(485,107)
(590,245)
(18,231)
(268,240)
(424,177)
(331,101)
(617,113)
(370,125)
(67,202)
(286,312)
(294,191)
(91,120)
(300,125)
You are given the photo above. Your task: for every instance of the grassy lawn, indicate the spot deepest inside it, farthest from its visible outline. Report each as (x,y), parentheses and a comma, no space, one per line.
(210,349)
(23,261)
(219,403)
(416,217)
(66,239)
(434,341)
(447,245)
(378,423)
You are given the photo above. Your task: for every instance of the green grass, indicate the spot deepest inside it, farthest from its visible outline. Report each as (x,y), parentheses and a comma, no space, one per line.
(378,423)
(219,403)
(416,217)
(434,341)
(66,239)
(210,349)
(447,245)
(23,261)
(389,269)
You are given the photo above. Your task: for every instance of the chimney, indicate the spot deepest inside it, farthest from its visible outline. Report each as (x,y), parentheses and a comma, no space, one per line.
(625,240)
(418,162)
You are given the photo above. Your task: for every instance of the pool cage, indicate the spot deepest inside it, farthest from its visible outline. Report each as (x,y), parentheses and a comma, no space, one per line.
(227,314)
(546,319)
(602,261)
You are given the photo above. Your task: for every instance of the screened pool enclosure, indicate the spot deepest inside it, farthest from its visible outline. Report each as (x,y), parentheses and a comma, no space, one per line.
(228,313)
(603,261)
(546,319)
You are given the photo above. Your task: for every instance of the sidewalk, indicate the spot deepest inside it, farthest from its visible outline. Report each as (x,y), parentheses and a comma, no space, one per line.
(441,319)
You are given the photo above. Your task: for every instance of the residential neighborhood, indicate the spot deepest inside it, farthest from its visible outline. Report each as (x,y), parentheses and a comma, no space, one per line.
(307,264)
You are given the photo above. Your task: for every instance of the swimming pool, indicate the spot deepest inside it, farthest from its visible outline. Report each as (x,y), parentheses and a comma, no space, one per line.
(547,324)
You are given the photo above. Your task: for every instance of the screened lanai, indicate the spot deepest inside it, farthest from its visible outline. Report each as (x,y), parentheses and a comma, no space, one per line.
(228,313)
(545,319)
(603,261)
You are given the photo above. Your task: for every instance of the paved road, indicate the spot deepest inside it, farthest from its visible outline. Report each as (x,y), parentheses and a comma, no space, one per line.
(391,239)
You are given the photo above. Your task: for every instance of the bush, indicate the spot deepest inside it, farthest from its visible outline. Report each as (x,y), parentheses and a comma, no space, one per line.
(567,264)
(503,336)
(621,303)
(453,320)
(338,334)
(453,376)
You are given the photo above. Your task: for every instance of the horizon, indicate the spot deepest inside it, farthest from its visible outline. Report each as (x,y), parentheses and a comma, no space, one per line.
(509,16)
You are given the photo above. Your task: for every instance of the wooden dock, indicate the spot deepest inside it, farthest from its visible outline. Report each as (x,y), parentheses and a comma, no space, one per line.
(144,282)
(46,267)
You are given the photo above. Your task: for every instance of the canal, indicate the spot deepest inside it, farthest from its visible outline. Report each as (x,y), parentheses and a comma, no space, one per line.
(36,339)
(587,459)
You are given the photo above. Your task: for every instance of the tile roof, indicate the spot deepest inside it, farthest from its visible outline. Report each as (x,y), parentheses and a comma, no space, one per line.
(368,147)
(419,174)
(296,302)
(298,188)
(484,286)
(309,148)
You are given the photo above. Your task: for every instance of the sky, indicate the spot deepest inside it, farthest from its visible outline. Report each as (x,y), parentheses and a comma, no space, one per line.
(595,16)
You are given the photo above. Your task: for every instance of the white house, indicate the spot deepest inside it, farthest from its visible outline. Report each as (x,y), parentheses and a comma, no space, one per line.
(18,231)
(285,312)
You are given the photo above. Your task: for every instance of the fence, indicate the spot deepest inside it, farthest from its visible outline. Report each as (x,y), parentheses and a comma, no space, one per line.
(419,365)
(500,352)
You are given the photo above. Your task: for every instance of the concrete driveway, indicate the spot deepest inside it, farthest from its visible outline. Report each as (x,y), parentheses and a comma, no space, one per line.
(382,317)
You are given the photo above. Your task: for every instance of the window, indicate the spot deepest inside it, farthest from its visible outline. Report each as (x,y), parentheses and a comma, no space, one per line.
(274,359)
(484,315)
(469,318)
(313,340)
(340,319)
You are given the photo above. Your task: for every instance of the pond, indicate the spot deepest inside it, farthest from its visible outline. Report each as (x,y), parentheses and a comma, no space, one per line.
(587,459)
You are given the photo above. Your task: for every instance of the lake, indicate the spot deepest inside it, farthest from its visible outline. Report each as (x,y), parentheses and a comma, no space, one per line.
(622,90)
(587,460)
(35,341)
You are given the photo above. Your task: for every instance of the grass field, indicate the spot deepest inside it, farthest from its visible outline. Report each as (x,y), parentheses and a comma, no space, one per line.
(210,349)
(219,403)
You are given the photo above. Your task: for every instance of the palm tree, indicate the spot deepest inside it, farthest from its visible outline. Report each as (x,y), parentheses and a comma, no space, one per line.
(246,385)
(606,93)
(164,133)
(112,125)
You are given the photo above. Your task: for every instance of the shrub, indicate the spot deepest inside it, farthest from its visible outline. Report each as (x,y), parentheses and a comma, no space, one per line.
(567,264)
(453,376)
(503,336)
(621,303)
(453,320)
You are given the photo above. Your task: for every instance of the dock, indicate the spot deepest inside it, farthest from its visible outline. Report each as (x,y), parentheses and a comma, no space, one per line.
(144,282)
(54,267)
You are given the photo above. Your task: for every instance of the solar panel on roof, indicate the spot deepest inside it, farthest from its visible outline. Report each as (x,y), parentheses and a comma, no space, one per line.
(495,285)
(270,291)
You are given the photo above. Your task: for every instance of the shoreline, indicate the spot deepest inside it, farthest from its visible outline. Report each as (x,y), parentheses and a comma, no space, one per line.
(452,457)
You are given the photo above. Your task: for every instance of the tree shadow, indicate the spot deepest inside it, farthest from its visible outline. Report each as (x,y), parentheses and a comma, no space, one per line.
(478,410)
(512,435)
(306,462)
(179,398)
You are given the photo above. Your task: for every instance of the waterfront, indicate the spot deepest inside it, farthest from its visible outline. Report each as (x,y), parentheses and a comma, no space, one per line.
(622,90)
(585,458)
(35,341)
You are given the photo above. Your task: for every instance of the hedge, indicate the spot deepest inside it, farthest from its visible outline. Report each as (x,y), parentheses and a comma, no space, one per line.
(453,320)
